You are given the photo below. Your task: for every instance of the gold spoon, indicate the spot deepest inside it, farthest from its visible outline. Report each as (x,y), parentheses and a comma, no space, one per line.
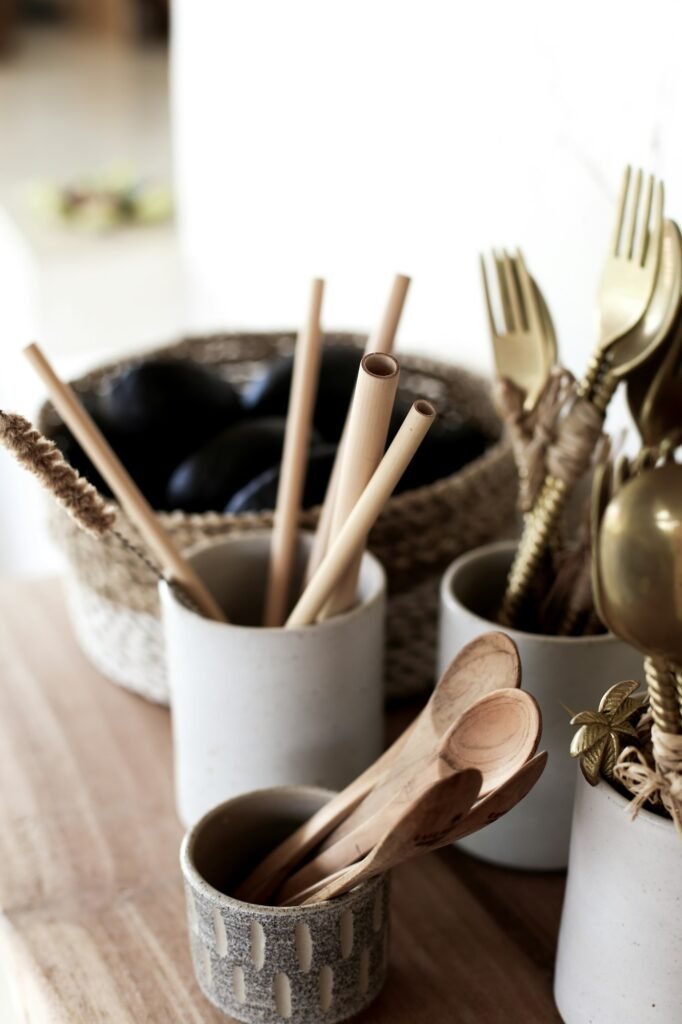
(490,662)
(495,736)
(638,577)
(429,823)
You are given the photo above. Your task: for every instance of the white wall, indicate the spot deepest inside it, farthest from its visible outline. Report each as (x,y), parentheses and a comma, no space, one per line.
(355,138)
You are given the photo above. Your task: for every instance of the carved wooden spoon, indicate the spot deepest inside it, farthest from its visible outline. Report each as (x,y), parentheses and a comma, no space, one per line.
(427,825)
(488,663)
(496,736)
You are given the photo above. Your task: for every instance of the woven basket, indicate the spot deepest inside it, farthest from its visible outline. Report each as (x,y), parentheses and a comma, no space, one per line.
(112,595)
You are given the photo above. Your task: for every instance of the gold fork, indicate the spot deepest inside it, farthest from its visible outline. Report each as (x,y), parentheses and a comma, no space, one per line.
(524,344)
(624,294)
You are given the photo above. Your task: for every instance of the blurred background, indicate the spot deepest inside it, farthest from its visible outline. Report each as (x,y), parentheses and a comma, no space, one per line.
(278,139)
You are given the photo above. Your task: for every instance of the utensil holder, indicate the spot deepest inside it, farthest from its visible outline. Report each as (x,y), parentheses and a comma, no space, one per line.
(256,707)
(262,965)
(619,959)
(562,673)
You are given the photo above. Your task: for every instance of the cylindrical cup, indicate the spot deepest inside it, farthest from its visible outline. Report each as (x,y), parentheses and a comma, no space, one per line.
(263,965)
(255,707)
(619,959)
(564,674)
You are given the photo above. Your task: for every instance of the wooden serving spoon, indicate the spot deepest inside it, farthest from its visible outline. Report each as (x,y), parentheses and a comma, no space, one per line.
(428,824)
(496,736)
(489,662)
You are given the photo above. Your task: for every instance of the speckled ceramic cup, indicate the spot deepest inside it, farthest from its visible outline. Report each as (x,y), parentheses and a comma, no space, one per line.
(263,965)
(561,672)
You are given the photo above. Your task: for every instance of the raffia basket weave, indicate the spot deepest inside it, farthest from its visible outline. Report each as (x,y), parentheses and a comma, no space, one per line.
(112,595)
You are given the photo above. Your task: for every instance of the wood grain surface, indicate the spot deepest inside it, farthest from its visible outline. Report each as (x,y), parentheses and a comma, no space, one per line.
(92,920)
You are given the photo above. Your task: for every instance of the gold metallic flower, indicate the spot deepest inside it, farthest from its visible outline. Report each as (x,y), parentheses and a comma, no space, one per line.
(599,739)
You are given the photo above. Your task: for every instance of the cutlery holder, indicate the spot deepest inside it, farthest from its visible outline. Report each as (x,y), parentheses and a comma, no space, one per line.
(112,597)
(256,707)
(262,965)
(561,673)
(620,945)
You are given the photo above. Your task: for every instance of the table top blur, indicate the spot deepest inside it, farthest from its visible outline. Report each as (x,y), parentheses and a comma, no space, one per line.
(93,917)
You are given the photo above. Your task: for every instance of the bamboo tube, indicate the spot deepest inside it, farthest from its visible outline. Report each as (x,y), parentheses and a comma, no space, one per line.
(382,340)
(368,508)
(294,458)
(366,432)
(126,491)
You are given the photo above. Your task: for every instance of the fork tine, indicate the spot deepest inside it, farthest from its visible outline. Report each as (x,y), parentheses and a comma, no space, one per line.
(504,292)
(486,295)
(626,250)
(620,213)
(530,301)
(653,246)
(643,234)
(513,291)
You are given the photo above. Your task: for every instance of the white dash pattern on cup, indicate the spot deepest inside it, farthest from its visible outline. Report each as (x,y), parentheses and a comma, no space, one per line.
(364,971)
(238,986)
(257,936)
(346,929)
(282,990)
(326,987)
(304,946)
(219,932)
(378,910)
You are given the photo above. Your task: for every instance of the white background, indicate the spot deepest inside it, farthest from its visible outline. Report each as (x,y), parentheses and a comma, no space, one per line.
(356,138)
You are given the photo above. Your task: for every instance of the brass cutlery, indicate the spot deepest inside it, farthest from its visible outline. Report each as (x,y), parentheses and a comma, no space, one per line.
(636,304)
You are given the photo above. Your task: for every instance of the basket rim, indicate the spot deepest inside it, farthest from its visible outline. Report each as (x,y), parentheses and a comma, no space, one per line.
(440,370)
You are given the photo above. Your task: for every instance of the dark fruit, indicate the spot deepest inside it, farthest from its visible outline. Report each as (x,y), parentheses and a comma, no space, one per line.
(207,479)
(268,395)
(446,448)
(260,494)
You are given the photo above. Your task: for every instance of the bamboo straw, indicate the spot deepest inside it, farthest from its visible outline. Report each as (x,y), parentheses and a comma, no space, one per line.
(368,508)
(132,501)
(366,432)
(382,340)
(294,458)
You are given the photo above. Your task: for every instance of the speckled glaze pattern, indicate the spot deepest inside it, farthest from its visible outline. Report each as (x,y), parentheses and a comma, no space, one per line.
(264,965)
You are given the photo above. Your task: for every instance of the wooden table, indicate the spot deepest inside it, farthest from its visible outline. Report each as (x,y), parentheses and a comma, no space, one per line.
(93,920)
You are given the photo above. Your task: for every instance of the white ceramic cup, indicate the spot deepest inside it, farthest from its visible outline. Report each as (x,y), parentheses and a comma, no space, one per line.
(619,959)
(255,707)
(561,673)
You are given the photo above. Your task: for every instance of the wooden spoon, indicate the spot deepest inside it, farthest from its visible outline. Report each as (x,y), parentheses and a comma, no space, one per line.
(496,736)
(488,663)
(427,825)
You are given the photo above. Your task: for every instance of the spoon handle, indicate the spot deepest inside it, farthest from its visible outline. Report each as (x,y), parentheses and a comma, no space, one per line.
(664,694)
(366,835)
(266,878)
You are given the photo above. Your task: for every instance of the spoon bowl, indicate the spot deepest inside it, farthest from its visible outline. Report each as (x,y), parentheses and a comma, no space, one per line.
(639,562)
(430,824)
(496,735)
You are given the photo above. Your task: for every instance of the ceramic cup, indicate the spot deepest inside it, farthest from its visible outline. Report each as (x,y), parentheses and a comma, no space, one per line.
(255,707)
(561,673)
(619,959)
(262,965)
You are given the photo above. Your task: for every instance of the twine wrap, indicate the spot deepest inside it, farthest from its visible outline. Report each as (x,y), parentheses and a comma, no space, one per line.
(658,782)
(44,460)
(553,445)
